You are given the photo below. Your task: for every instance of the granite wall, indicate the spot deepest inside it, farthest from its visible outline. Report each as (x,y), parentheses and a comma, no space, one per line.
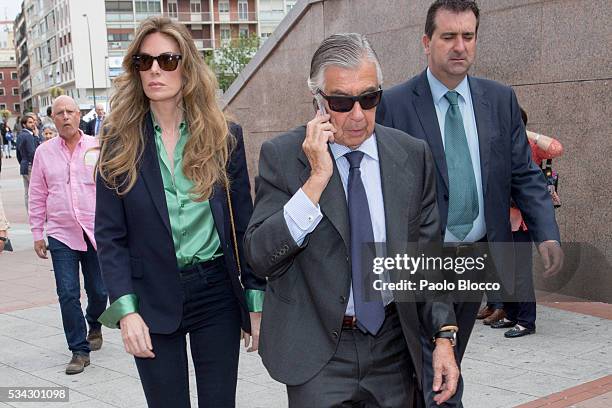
(555,53)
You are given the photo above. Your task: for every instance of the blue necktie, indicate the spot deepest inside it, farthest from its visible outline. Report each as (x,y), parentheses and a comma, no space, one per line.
(369,315)
(462,193)
(98,121)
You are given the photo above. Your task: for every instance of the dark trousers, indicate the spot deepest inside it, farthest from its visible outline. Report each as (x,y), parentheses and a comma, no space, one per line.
(523,312)
(211,317)
(366,371)
(465,313)
(66,269)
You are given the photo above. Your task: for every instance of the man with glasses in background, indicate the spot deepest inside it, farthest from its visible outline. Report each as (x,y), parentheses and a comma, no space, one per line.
(94,125)
(324,192)
(63,193)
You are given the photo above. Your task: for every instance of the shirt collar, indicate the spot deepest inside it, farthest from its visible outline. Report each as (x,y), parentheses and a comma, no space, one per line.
(438,89)
(158,129)
(368,147)
(63,142)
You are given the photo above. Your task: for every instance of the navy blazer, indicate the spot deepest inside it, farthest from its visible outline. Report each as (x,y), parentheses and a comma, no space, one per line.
(508,171)
(135,247)
(26,147)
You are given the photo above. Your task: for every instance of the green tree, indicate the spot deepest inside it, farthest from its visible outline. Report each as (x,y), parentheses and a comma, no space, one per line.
(229,60)
(56,91)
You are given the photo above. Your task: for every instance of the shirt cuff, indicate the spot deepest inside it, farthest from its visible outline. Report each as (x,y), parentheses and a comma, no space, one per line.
(254,299)
(301,216)
(37,234)
(123,306)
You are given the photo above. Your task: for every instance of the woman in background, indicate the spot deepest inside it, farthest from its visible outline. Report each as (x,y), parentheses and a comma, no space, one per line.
(48,132)
(521,316)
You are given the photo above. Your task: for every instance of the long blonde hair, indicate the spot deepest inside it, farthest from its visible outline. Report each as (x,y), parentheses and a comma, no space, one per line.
(122,139)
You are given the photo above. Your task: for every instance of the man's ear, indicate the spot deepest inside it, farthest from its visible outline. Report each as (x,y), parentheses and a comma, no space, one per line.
(425,40)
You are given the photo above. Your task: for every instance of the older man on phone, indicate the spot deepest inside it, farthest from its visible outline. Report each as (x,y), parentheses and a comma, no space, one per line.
(323,191)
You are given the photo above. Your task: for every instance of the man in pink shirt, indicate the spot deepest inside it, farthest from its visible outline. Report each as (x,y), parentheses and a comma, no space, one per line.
(63,193)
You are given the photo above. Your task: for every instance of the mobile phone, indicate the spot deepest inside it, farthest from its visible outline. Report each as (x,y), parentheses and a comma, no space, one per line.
(320,104)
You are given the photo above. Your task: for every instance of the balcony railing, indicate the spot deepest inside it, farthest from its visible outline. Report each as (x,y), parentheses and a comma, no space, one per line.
(235,17)
(118,45)
(113,16)
(203,17)
(205,43)
(271,15)
(185,17)
(202,44)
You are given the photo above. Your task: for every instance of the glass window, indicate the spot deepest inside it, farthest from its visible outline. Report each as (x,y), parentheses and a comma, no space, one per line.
(226,33)
(15,91)
(243,10)
(224,7)
(195,6)
(17,107)
(172,10)
(13,75)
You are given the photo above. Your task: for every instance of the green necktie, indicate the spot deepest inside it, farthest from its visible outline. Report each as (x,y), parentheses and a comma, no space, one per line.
(462,194)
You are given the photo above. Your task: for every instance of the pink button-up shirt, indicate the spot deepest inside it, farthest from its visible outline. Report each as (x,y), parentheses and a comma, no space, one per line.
(63,191)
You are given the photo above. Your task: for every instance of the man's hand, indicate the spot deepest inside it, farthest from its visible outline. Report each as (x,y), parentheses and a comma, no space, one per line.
(254,335)
(135,335)
(552,257)
(40,247)
(446,372)
(319,132)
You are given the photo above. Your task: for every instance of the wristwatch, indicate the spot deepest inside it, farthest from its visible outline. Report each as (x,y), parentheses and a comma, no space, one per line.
(447,334)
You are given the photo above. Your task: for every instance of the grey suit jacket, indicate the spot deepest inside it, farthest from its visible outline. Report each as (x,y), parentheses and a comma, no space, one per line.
(308,285)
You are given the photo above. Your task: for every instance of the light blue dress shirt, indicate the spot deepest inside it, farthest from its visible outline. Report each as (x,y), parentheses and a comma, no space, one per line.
(302,216)
(438,90)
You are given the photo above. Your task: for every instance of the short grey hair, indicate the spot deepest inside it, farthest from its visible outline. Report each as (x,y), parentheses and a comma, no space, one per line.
(49,126)
(346,50)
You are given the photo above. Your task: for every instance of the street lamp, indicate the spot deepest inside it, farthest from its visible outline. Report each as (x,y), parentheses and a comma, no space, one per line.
(93,83)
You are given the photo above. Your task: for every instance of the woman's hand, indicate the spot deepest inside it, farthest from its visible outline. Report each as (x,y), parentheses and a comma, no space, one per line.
(135,335)
(255,323)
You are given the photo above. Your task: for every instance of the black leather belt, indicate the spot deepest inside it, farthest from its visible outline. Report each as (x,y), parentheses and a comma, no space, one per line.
(202,266)
(463,249)
(350,323)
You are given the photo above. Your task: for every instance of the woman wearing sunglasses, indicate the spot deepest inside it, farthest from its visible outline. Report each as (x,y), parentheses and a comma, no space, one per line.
(173,201)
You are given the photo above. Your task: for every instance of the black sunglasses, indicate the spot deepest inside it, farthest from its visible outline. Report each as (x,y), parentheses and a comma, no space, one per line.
(167,61)
(339,103)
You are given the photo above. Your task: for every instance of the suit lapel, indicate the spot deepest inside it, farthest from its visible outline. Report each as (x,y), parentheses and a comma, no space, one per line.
(426,112)
(151,174)
(395,186)
(482,113)
(333,201)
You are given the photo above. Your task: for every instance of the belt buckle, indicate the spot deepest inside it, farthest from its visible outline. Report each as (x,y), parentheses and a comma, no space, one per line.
(349,322)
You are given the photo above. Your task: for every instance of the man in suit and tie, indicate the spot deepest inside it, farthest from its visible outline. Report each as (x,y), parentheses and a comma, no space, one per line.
(323,191)
(94,125)
(482,159)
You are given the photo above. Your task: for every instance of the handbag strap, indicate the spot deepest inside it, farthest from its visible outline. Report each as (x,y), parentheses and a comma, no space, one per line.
(233,227)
